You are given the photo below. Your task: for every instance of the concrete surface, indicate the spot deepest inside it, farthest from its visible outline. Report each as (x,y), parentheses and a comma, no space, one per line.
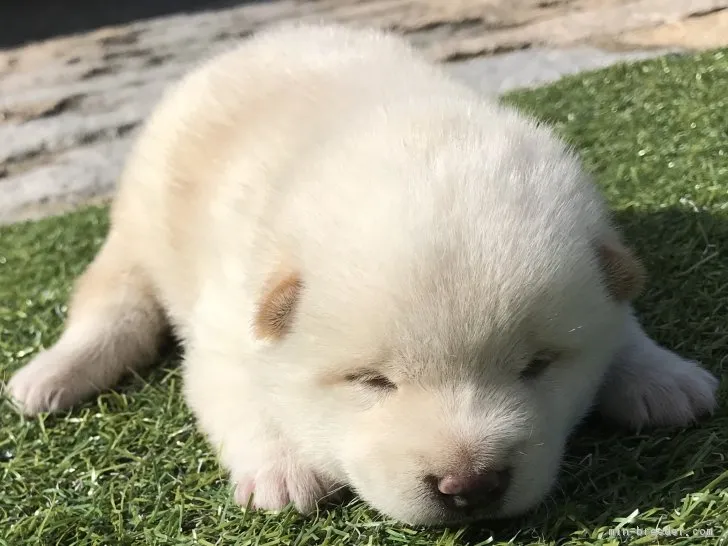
(705,31)
(70,105)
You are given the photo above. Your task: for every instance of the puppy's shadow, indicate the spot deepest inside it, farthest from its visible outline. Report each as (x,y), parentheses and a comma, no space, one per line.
(609,472)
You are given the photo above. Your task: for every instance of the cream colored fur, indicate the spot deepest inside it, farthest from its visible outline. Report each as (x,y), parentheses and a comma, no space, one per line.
(441,241)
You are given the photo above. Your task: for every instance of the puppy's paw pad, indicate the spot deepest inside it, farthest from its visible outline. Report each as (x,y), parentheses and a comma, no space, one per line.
(674,393)
(43,385)
(276,487)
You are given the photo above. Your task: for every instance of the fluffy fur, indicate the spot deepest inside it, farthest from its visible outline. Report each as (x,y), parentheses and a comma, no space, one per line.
(380,278)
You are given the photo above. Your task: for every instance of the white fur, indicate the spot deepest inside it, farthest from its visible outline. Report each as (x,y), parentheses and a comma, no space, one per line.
(440,238)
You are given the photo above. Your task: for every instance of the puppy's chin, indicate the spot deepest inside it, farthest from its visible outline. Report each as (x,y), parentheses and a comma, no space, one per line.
(433,514)
(416,506)
(423,509)
(397,484)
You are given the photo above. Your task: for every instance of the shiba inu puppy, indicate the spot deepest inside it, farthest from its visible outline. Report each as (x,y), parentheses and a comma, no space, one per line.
(381,280)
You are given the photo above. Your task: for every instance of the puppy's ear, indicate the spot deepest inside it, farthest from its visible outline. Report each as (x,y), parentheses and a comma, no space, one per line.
(276,309)
(624,274)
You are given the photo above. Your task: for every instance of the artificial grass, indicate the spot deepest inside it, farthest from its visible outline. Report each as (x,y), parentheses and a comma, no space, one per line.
(130,468)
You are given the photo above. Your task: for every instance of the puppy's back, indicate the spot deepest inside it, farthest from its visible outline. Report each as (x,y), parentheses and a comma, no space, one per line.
(225,143)
(306,138)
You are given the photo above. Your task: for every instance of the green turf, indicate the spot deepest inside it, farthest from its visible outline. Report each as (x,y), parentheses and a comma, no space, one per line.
(129,467)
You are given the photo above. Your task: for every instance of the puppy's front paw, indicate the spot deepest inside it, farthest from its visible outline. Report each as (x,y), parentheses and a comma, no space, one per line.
(277,486)
(47,383)
(656,387)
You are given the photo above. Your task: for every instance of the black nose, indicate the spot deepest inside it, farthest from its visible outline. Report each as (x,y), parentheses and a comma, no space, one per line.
(473,490)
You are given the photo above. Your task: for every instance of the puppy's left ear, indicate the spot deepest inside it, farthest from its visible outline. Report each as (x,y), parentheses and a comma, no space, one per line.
(624,275)
(276,309)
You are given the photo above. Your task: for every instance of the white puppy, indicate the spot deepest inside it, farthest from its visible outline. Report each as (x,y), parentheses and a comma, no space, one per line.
(381,279)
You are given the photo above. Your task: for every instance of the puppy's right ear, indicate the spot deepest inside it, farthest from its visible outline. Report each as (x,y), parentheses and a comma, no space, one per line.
(276,309)
(624,275)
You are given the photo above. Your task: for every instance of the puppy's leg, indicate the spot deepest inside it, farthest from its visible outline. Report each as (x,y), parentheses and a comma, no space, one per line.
(648,385)
(114,325)
(233,411)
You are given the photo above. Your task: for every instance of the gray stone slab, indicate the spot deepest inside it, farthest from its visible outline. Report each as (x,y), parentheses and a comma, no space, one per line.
(539,66)
(57,162)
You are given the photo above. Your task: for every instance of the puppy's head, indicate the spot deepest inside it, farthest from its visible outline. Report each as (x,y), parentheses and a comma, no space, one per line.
(441,372)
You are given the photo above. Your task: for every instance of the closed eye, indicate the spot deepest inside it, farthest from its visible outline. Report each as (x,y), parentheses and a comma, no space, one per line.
(372,380)
(538,364)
